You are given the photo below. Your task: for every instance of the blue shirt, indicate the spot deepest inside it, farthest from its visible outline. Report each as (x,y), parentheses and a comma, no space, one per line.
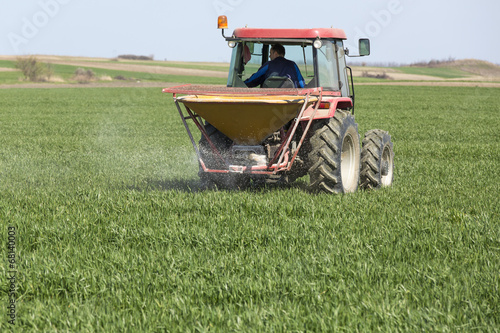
(277,67)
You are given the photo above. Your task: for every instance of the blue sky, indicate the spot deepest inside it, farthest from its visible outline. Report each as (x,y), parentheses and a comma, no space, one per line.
(401,31)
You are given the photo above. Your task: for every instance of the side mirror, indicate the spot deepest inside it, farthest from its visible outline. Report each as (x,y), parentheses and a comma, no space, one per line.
(364,47)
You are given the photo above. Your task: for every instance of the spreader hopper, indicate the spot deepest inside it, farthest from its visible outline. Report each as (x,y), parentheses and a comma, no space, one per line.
(247,120)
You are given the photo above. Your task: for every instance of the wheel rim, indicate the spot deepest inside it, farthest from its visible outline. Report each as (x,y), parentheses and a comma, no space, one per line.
(348,164)
(386,167)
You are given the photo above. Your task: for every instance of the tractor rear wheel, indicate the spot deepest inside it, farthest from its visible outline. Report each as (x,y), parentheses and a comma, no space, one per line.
(377,160)
(334,159)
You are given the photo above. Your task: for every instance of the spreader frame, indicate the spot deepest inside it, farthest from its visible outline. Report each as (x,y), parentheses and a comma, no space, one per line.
(281,161)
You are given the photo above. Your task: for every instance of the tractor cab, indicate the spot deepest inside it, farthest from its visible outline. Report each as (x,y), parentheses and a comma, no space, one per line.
(320,67)
(318,53)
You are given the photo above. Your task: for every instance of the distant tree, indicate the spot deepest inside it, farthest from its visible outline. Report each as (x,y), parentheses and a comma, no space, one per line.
(135,57)
(83,75)
(33,70)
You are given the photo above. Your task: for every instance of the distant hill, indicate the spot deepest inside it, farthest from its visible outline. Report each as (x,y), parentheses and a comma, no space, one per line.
(473,66)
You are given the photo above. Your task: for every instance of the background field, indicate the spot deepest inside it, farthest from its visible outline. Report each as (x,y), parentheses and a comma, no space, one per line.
(115,234)
(468,72)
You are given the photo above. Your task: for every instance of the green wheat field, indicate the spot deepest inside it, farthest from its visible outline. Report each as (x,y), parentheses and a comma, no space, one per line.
(115,234)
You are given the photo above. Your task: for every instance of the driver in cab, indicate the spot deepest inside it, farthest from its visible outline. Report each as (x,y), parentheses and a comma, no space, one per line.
(277,66)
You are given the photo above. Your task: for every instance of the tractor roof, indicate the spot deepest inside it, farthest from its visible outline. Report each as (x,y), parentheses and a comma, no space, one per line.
(252,33)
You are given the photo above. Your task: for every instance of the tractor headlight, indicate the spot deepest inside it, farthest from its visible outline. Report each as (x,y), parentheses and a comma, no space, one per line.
(231,43)
(317,44)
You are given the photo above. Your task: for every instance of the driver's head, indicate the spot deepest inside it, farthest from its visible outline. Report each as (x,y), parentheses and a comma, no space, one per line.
(277,50)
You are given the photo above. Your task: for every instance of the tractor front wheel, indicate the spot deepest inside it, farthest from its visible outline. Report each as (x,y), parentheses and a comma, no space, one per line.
(334,158)
(377,160)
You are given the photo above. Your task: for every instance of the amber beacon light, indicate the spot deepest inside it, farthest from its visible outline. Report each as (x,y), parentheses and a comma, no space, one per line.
(222,22)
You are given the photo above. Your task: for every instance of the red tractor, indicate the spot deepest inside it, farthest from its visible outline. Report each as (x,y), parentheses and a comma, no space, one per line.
(279,131)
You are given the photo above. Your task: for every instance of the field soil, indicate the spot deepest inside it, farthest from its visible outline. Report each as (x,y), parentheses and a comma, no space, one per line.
(392,73)
(434,84)
(3,69)
(112,84)
(148,69)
